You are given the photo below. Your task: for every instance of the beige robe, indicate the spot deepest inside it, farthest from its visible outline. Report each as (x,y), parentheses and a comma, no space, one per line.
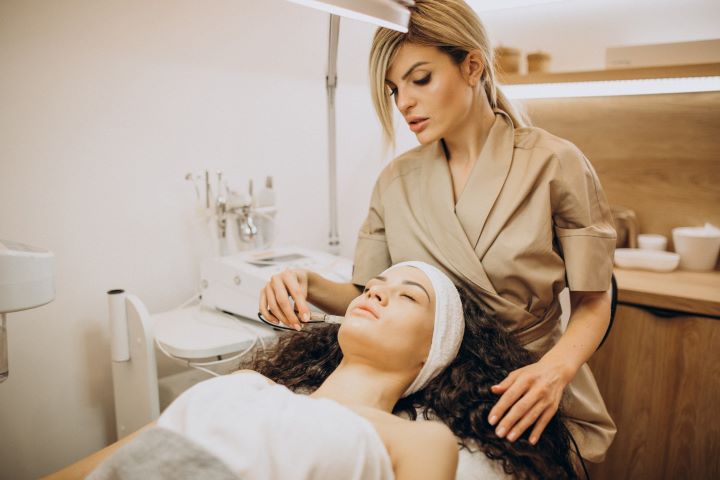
(532,219)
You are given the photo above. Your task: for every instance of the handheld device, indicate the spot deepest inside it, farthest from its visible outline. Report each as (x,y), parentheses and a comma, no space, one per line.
(232,283)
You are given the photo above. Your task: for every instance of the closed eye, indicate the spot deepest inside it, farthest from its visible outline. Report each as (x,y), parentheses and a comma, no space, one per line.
(423,81)
(409,297)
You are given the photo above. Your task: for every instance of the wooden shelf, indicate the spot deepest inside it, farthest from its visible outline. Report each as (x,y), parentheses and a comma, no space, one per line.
(676,71)
(693,292)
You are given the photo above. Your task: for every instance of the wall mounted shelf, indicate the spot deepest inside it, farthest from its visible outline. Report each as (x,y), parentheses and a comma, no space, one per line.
(614,82)
(643,73)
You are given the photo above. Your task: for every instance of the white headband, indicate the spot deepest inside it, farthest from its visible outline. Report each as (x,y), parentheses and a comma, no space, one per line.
(448,329)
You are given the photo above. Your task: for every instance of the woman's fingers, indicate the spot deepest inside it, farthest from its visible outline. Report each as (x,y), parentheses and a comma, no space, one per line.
(525,400)
(526,419)
(507,400)
(541,424)
(262,307)
(297,292)
(275,304)
(505,384)
(275,312)
(283,302)
(530,396)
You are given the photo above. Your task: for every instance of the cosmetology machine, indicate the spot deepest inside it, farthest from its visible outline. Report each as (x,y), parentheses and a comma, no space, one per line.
(232,283)
(243,225)
(237,221)
(26,281)
(199,335)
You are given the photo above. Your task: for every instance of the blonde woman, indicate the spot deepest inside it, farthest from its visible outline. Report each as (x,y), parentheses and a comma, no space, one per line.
(510,212)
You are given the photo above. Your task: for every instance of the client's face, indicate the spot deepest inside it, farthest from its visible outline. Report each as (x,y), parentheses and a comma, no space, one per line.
(391,323)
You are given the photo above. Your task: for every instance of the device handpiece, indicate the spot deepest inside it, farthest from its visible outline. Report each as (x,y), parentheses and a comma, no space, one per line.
(324,317)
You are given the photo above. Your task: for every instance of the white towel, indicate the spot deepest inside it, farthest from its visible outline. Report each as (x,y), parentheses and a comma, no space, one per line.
(264,431)
(448,329)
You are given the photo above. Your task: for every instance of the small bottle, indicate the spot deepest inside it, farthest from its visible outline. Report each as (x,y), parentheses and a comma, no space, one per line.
(266,215)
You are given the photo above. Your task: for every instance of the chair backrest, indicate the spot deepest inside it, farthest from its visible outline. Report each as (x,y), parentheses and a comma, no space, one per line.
(135,382)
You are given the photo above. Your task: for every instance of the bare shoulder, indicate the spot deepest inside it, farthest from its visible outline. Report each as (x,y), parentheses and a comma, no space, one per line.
(426,450)
(418,450)
(431,434)
(409,432)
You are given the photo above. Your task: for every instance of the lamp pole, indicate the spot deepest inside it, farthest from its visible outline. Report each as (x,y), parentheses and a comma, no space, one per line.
(394,14)
(331,87)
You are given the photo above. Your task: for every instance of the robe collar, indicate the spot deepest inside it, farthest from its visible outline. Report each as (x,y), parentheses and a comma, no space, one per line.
(487,178)
(457,228)
(462,233)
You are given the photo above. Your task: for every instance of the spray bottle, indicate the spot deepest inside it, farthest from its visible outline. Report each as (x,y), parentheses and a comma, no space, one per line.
(266,212)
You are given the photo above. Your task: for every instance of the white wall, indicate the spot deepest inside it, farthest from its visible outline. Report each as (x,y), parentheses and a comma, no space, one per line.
(105,106)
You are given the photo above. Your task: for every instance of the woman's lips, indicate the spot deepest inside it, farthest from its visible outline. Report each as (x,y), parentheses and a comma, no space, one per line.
(365,311)
(418,126)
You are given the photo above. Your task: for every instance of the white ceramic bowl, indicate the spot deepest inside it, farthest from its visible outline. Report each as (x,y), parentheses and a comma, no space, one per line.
(651,241)
(698,247)
(638,258)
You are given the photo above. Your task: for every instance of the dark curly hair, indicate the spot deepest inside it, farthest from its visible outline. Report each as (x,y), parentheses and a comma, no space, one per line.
(460,396)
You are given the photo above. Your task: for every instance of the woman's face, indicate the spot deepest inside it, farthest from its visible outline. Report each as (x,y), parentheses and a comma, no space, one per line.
(391,323)
(430,91)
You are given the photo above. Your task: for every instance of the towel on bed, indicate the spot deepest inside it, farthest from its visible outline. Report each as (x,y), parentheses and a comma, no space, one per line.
(160,454)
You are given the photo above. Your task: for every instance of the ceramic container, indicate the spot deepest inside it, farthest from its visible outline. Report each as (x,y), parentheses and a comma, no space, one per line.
(698,247)
(651,241)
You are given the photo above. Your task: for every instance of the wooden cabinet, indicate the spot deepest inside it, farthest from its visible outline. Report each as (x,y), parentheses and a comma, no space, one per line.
(659,372)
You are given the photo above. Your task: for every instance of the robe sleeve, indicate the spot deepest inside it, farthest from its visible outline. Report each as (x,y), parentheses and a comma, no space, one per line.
(371,252)
(582,222)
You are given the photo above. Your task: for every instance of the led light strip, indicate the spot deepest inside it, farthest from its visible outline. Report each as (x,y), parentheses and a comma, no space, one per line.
(493,5)
(392,14)
(613,88)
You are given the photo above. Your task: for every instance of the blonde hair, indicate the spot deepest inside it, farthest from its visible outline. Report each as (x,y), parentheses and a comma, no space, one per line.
(453,27)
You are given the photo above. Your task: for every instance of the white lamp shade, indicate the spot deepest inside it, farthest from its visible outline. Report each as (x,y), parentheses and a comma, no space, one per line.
(384,13)
(26,277)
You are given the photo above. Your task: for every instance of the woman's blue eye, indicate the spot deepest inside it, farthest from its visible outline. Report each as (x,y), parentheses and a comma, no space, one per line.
(423,81)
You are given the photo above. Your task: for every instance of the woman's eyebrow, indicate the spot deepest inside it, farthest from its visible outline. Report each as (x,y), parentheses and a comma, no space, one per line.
(413,68)
(405,282)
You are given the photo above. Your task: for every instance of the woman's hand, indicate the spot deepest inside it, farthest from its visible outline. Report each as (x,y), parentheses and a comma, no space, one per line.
(529,396)
(275,297)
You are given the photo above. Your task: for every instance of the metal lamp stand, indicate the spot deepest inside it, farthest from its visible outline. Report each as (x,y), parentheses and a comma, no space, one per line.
(331,86)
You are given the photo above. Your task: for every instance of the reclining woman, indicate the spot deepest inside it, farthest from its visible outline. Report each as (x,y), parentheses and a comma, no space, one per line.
(405,346)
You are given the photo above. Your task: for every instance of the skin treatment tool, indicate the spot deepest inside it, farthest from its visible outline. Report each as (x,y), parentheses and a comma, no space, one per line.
(315,317)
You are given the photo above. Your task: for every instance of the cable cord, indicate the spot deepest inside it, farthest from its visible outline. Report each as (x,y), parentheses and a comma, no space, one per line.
(577,451)
(189,301)
(201,365)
